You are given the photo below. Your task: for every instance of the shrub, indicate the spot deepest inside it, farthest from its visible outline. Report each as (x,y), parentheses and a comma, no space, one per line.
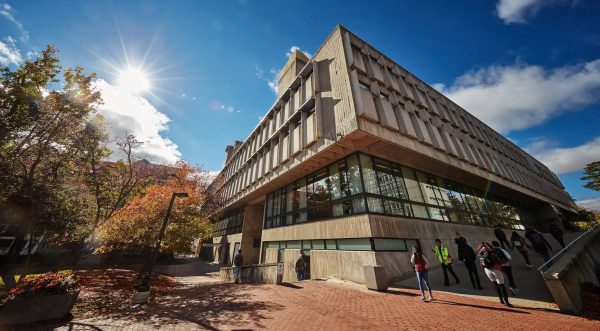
(44,284)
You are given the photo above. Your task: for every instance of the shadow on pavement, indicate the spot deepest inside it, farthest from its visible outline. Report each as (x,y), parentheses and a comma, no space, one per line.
(445,302)
(290,285)
(398,292)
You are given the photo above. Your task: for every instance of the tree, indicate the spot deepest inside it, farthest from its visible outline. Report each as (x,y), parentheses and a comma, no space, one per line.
(592,176)
(136,225)
(110,183)
(43,114)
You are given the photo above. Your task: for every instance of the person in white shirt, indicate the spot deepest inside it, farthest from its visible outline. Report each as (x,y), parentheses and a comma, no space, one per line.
(507,268)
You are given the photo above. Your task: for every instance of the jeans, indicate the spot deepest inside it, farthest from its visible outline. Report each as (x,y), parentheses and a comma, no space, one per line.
(508,271)
(495,275)
(423,280)
(300,275)
(525,256)
(445,269)
(473,275)
(237,273)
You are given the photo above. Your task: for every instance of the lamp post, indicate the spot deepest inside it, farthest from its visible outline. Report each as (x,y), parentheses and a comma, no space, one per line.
(145,284)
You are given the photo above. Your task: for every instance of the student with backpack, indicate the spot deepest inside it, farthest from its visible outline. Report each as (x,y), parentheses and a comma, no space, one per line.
(492,264)
(238,261)
(422,270)
(521,244)
(506,267)
(468,256)
(539,243)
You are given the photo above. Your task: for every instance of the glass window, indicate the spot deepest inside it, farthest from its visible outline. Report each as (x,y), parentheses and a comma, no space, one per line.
(389,244)
(318,244)
(368,174)
(319,189)
(363,244)
(410,243)
(419,211)
(306,244)
(412,186)
(295,244)
(358,205)
(375,204)
(353,172)
(337,179)
(330,244)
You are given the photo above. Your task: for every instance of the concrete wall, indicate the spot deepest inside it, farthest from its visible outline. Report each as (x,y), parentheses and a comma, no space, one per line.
(347,265)
(577,265)
(290,256)
(257,273)
(344,227)
(251,230)
(228,239)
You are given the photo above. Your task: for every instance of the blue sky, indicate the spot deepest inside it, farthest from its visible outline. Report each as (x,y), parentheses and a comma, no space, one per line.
(528,68)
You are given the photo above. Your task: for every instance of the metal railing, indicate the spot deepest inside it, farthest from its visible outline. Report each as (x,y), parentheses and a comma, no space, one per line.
(548,263)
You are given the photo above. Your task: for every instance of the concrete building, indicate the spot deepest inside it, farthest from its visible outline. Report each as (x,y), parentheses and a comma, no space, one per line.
(358,160)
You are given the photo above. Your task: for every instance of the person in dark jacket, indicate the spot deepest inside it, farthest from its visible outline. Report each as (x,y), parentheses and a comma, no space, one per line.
(238,262)
(557,233)
(468,256)
(300,267)
(502,238)
(521,244)
(539,243)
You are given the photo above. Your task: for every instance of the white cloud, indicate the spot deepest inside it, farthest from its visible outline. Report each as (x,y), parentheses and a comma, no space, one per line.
(562,160)
(519,96)
(296,48)
(272,78)
(9,53)
(593,204)
(127,113)
(517,11)
(7,11)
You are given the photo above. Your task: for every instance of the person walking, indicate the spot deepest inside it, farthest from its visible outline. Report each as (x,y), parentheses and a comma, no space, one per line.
(467,255)
(238,262)
(491,264)
(539,243)
(300,267)
(557,233)
(521,244)
(506,267)
(441,252)
(422,270)
(501,236)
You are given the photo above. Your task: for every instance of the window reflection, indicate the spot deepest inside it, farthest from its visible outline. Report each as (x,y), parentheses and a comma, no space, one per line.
(391,189)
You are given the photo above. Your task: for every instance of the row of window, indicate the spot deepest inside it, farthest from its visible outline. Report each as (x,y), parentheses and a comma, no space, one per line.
(354,244)
(285,111)
(529,172)
(231,224)
(360,183)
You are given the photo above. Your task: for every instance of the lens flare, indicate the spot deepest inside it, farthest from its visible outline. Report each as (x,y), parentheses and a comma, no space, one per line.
(134,80)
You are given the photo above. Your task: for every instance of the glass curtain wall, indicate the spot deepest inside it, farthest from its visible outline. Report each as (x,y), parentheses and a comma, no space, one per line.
(361,183)
(230,224)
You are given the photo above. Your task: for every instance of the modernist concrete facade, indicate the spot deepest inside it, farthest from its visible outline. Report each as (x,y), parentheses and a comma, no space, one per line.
(358,160)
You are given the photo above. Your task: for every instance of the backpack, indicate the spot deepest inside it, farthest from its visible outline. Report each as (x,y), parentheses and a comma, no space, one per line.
(238,260)
(501,256)
(420,264)
(491,260)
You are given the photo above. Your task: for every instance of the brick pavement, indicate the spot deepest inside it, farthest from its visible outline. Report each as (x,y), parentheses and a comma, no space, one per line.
(323,305)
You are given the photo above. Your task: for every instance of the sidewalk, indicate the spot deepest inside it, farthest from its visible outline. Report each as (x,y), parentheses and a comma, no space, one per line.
(533,291)
(201,302)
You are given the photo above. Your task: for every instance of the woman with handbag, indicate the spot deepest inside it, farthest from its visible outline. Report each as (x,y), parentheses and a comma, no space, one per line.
(422,271)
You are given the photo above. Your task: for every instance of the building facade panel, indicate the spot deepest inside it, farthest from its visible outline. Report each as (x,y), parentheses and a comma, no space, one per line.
(358,160)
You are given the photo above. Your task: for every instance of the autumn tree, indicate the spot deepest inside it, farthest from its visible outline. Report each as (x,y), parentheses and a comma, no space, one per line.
(592,176)
(136,225)
(43,114)
(110,183)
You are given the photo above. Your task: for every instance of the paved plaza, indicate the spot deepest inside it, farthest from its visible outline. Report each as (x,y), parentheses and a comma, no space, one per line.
(201,302)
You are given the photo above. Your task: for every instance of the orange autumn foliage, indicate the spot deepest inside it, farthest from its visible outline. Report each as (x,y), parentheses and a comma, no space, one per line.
(138,223)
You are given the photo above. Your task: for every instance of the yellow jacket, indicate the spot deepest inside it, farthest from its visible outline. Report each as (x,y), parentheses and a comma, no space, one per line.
(441,253)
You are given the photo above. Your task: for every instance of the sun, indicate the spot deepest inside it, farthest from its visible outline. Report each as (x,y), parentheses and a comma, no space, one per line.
(134,80)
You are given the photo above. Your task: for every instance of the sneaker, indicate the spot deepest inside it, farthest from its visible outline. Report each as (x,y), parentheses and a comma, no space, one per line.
(530,266)
(502,302)
(509,305)
(430,299)
(422,298)
(513,290)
